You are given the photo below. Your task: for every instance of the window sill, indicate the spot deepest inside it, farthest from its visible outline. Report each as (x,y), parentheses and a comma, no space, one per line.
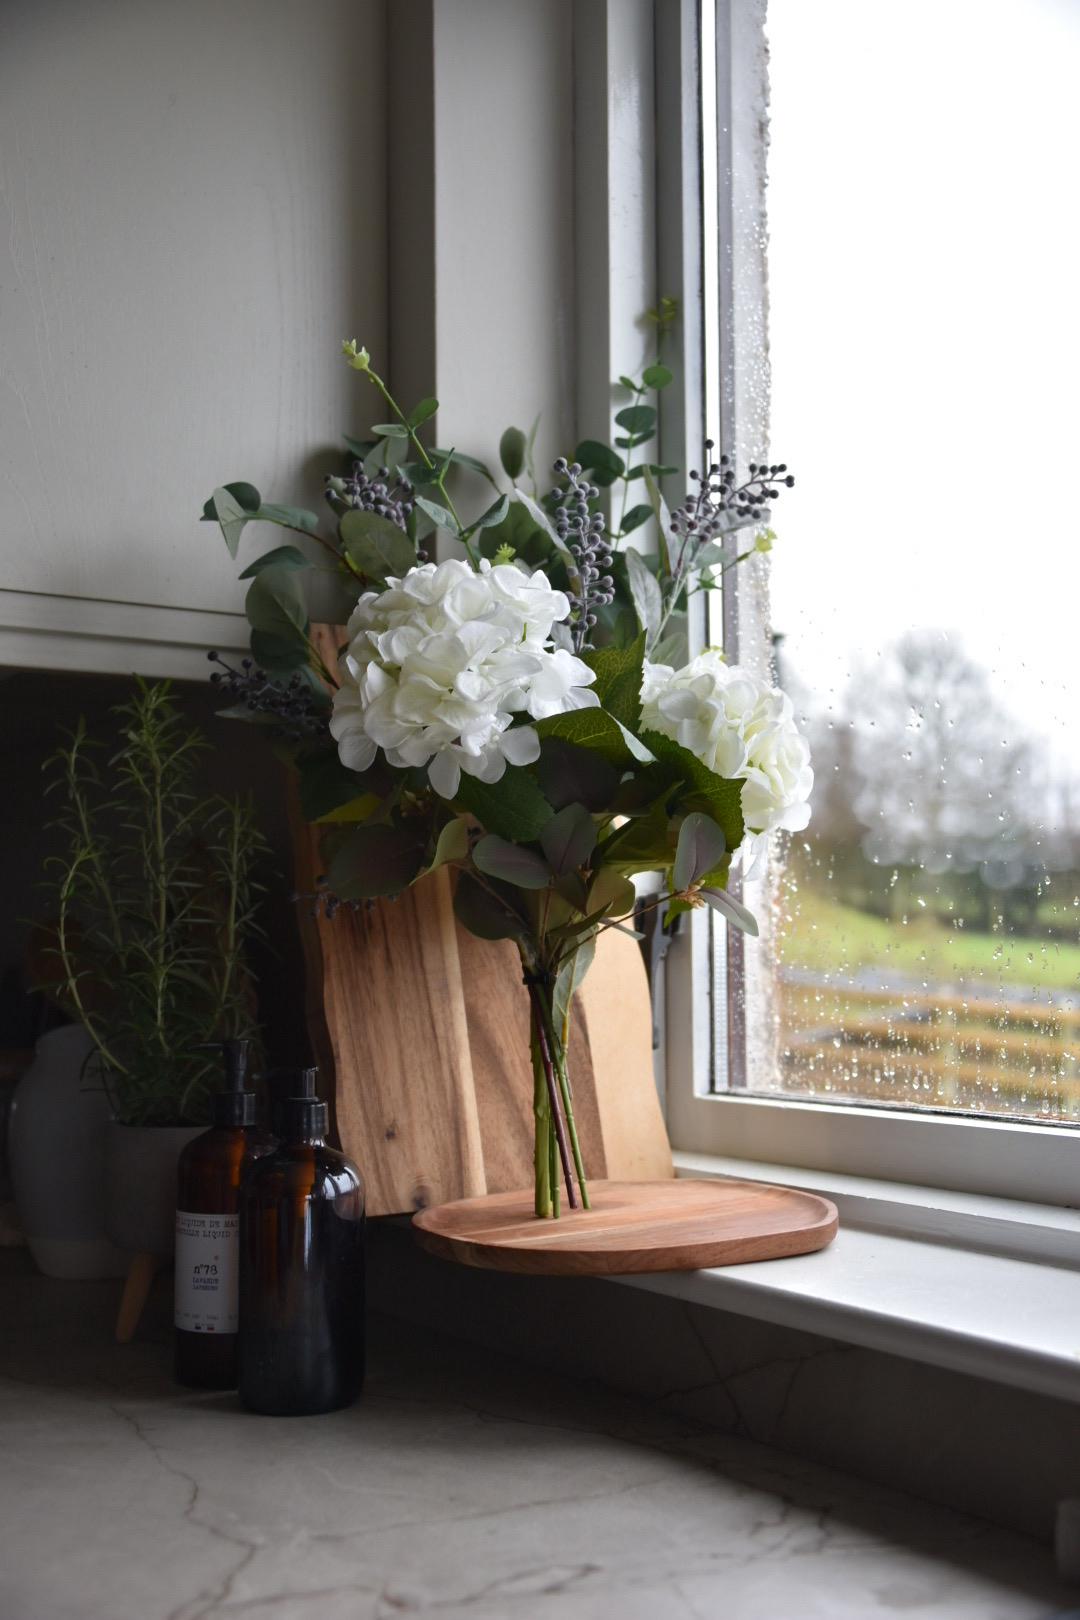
(977,1285)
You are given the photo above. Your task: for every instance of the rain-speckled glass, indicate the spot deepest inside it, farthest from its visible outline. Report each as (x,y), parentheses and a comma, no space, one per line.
(925,581)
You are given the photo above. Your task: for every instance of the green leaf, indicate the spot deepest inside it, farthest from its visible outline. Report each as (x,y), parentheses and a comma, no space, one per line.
(628,382)
(452,843)
(601,460)
(648,602)
(375,545)
(512,863)
(246,497)
(646,843)
(487,915)
(637,419)
(278,655)
(518,530)
(701,789)
(736,914)
(512,447)
(275,603)
(663,518)
(438,514)
(420,413)
(231,515)
(375,860)
(568,774)
(289,517)
(568,839)
(656,376)
(636,516)
(494,514)
(618,680)
(460,459)
(361,448)
(596,730)
(513,807)
(700,850)
(325,784)
(390,430)
(280,557)
(613,893)
(568,982)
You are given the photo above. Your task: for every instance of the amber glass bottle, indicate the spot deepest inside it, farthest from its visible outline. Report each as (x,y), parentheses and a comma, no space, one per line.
(301,1271)
(207,1232)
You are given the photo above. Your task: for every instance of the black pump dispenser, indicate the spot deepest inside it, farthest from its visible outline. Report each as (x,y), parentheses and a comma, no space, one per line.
(283,1084)
(234,1105)
(301,1264)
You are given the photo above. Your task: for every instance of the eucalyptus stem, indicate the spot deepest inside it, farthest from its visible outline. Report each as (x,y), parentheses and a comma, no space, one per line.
(542,1127)
(540,1023)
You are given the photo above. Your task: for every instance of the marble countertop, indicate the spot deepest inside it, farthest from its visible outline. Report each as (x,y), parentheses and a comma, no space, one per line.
(463,1484)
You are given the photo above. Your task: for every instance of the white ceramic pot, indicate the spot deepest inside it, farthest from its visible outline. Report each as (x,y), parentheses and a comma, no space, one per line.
(140,1184)
(56,1147)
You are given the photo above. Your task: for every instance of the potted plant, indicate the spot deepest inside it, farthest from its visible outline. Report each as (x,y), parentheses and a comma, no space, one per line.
(523,714)
(155,904)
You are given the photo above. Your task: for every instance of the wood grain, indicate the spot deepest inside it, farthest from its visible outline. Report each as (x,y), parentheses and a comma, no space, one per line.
(633,1227)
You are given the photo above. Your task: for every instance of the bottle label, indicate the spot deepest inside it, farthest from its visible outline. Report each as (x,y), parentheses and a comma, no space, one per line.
(207,1272)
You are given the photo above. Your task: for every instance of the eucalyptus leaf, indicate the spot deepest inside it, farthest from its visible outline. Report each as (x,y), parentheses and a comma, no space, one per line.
(246,497)
(640,420)
(568,839)
(663,519)
(280,557)
(275,603)
(422,412)
(360,448)
(488,915)
(375,545)
(648,602)
(278,655)
(633,519)
(438,514)
(231,515)
(736,914)
(656,376)
(390,430)
(325,785)
(512,448)
(460,459)
(495,513)
(512,863)
(612,892)
(700,850)
(601,460)
(568,982)
(375,860)
(288,517)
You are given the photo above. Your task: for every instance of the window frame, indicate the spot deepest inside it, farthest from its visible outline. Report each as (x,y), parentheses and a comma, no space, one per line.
(719,266)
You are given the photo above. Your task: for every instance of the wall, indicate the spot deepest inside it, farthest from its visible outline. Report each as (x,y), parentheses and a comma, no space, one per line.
(194,202)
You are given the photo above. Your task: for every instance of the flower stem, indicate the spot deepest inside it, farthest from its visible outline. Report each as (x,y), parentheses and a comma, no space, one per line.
(542,1121)
(543,1040)
(557,1051)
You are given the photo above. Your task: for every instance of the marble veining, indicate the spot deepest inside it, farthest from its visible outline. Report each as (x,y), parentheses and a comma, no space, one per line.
(465,1483)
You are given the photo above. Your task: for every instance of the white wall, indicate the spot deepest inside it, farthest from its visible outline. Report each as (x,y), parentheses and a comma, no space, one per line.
(194,214)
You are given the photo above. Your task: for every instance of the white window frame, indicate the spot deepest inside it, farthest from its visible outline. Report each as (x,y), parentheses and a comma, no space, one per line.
(712,258)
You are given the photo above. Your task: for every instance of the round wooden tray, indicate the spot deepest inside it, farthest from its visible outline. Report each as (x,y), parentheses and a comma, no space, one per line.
(633,1226)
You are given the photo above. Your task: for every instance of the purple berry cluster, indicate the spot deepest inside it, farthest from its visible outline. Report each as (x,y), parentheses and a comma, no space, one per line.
(581,530)
(720,505)
(391,501)
(291,704)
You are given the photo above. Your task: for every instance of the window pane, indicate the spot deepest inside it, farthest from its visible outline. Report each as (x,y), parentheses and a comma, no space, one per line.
(925,346)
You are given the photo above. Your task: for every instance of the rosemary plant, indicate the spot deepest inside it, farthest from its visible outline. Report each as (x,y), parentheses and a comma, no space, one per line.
(156,902)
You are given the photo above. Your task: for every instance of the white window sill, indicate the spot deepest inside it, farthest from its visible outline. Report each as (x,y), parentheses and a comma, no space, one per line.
(978,1285)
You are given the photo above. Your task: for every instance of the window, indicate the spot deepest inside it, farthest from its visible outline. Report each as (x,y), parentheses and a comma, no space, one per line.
(902,213)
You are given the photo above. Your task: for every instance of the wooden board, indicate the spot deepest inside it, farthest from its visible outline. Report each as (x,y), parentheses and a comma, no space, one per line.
(422,1035)
(632,1227)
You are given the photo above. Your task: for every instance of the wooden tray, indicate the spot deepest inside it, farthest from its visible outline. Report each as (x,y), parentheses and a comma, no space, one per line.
(633,1226)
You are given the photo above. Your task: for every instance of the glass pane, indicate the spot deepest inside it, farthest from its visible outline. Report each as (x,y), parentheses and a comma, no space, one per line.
(925,346)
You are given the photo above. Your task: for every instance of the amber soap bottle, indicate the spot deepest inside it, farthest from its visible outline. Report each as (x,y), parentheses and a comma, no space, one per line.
(207,1231)
(301,1269)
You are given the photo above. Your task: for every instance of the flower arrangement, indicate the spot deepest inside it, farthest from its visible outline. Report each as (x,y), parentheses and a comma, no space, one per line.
(523,713)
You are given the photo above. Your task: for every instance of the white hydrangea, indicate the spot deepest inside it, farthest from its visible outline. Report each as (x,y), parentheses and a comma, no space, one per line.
(739,727)
(439,663)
